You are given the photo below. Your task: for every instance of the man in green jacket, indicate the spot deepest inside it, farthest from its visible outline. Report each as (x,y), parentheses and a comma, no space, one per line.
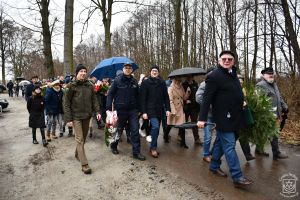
(79,104)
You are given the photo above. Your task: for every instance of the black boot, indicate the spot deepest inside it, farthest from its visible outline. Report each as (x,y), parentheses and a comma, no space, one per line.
(34,141)
(45,143)
(182,136)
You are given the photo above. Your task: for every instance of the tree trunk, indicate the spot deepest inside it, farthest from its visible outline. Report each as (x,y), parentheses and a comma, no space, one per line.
(254,62)
(186,35)
(44,6)
(290,32)
(178,34)
(68,37)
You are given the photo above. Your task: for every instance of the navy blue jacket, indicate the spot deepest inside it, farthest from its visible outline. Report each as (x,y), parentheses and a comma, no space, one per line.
(53,102)
(123,93)
(224,92)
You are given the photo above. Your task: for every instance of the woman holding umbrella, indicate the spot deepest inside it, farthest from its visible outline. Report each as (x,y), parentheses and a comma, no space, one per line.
(177,97)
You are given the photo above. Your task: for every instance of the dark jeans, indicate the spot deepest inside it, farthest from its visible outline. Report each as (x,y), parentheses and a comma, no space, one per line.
(10,93)
(34,133)
(275,146)
(132,117)
(155,124)
(193,114)
(181,134)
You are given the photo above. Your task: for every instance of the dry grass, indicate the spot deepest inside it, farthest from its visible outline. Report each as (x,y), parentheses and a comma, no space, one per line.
(290,91)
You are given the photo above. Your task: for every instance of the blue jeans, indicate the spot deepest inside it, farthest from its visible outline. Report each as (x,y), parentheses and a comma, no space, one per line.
(225,144)
(155,124)
(207,138)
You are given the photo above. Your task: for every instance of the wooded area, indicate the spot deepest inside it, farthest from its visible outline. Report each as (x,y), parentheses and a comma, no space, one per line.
(170,33)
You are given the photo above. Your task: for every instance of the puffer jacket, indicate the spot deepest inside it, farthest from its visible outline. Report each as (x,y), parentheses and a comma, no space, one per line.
(80,101)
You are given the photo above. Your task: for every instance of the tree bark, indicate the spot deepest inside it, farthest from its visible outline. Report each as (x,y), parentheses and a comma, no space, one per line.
(178,34)
(68,37)
(44,11)
(290,32)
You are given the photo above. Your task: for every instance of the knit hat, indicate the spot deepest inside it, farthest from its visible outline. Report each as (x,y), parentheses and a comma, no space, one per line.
(154,67)
(226,52)
(79,67)
(268,70)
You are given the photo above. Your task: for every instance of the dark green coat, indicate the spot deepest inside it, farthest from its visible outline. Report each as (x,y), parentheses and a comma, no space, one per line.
(80,101)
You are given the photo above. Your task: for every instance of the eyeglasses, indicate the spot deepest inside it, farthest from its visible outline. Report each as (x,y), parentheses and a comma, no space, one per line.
(229,59)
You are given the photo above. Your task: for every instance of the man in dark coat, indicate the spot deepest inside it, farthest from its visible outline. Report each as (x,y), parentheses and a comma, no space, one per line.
(10,86)
(191,108)
(30,87)
(154,106)
(223,91)
(269,86)
(123,95)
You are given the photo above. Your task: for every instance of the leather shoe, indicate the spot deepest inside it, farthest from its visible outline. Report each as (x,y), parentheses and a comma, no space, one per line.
(139,157)
(154,153)
(207,159)
(243,182)
(250,157)
(35,142)
(86,169)
(280,156)
(115,151)
(218,172)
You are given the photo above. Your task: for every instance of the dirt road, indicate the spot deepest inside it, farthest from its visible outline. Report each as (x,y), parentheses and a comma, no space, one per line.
(30,172)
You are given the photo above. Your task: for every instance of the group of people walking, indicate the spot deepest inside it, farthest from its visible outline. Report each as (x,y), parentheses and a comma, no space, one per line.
(219,100)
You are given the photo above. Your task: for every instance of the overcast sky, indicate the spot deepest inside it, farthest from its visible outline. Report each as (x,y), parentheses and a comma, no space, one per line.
(17,10)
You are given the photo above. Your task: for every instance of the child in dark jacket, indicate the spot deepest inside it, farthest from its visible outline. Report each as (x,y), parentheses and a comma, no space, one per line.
(35,107)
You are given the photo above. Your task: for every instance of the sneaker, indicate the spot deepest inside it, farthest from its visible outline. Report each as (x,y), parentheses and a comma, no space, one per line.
(280,156)
(61,135)
(149,138)
(142,134)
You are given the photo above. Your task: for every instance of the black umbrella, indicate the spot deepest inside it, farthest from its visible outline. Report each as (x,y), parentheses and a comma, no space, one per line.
(2,87)
(20,78)
(187,71)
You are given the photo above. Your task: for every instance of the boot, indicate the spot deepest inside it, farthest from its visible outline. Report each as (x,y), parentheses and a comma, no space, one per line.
(35,141)
(70,131)
(53,136)
(48,138)
(45,143)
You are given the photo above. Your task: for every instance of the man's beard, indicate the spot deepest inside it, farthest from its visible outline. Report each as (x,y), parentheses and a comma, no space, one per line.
(271,80)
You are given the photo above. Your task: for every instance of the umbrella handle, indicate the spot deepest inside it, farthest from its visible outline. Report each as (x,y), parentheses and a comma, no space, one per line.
(210,124)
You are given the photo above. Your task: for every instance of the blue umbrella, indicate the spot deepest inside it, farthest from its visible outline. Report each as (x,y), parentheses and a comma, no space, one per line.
(107,68)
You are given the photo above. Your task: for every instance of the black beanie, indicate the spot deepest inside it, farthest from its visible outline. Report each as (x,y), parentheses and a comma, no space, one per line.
(154,67)
(227,52)
(79,67)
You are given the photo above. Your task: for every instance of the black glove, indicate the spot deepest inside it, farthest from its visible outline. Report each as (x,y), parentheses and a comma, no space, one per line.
(285,111)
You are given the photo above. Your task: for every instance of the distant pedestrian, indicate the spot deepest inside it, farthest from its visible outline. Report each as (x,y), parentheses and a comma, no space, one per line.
(30,87)
(10,87)
(35,107)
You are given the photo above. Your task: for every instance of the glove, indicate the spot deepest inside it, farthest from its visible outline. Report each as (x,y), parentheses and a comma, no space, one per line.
(285,111)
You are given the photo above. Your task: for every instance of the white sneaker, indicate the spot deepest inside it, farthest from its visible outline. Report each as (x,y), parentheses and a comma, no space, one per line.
(148,138)
(142,134)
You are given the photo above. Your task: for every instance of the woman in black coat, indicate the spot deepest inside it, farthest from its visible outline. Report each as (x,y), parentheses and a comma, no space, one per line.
(35,107)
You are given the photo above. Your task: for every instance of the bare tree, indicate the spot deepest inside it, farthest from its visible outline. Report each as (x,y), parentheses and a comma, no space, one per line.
(68,37)
(46,32)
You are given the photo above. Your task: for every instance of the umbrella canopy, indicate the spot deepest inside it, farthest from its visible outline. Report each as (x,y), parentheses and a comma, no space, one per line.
(24,82)
(107,68)
(187,71)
